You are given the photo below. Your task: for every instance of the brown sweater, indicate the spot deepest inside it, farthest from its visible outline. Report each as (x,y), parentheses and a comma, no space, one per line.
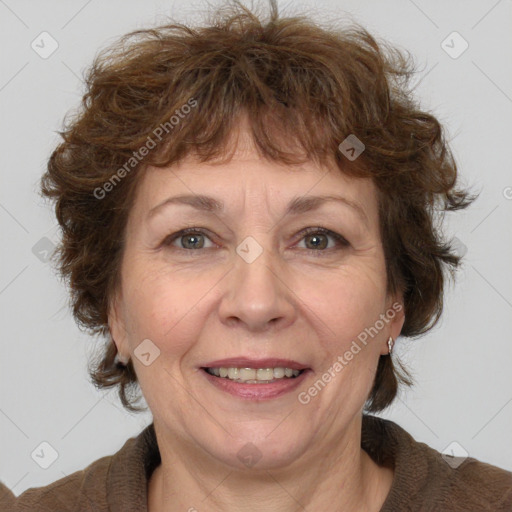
(423,480)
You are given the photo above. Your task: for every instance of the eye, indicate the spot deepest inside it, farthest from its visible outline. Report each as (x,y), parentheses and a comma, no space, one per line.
(319,237)
(190,238)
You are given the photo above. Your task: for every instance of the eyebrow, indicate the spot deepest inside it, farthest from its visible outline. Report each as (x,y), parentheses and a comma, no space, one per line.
(296,206)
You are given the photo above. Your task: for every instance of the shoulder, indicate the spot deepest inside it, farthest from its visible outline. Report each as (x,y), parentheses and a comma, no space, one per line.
(427,480)
(114,482)
(83,490)
(7,498)
(477,485)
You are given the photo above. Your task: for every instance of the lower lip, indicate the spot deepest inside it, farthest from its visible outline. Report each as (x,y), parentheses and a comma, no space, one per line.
(257,391)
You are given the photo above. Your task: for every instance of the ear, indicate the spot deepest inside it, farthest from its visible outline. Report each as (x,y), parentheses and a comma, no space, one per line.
(395,313)
(117,326)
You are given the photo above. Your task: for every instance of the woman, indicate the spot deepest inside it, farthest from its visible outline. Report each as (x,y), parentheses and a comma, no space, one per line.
(249,214)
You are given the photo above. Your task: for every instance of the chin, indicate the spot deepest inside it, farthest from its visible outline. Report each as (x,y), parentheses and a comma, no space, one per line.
(257,451)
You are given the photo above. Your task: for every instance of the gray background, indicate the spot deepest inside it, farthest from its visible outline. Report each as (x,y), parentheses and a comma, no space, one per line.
(463,367)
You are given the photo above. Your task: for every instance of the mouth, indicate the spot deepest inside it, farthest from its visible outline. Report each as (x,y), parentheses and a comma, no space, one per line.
(246,375)
(251,379)
(255,371)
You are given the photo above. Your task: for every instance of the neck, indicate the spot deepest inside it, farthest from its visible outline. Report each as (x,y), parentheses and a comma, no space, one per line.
(342,477)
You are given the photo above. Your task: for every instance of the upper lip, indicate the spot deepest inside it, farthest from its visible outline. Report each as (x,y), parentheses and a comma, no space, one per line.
(244,362)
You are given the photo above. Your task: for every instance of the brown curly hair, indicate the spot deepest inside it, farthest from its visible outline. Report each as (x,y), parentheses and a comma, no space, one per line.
(315,84)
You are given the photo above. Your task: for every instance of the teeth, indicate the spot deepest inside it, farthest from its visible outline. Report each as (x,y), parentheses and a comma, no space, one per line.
(279,373)
(253,375)
(265,374)
(233,373)
(245,373)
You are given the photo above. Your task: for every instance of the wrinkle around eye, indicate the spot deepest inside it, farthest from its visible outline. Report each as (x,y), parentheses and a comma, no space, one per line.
(354,234)
(336,242)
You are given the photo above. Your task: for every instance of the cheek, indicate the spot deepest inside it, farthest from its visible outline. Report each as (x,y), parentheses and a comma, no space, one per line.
(165,307)
(345,315)
(346,303)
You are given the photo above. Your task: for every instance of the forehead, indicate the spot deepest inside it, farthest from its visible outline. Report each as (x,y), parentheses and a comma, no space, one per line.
(246,180)
(220,187)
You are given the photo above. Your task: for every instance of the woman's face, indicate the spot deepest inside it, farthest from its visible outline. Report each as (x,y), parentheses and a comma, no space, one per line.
(249,283)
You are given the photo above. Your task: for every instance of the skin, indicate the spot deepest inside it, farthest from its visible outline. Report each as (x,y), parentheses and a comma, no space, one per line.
(294,301)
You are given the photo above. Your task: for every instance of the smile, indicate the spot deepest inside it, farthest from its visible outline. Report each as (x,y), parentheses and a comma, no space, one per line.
(257,383)
(254,375)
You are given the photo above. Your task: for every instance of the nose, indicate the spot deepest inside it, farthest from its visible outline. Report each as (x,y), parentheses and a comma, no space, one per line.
(256,294)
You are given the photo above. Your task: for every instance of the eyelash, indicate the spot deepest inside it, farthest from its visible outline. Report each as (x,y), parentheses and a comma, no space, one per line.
(342,242)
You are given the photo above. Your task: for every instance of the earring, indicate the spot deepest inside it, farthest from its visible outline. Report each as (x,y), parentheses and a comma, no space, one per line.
(118,360)
(390,344)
